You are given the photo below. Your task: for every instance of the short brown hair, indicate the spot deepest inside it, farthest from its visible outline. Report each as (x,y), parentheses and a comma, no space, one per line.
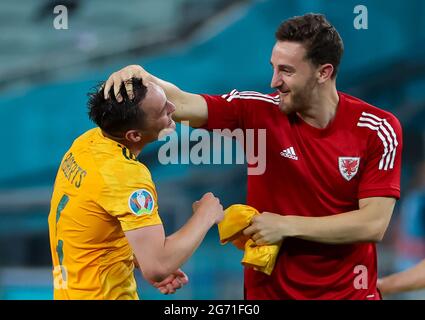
(114,117)
(322,42)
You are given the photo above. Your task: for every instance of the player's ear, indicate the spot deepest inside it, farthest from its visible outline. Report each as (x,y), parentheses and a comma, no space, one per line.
(325,72)
(133,136)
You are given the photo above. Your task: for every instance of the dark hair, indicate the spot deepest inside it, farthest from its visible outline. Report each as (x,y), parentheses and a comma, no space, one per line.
(322,42)
(114,117)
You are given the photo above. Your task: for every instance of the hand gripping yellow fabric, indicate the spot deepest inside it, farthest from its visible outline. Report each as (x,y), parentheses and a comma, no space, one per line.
(236,218)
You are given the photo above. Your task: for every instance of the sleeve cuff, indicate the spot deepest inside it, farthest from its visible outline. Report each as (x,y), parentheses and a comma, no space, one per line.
(136,224)
(209,125)
(380,192)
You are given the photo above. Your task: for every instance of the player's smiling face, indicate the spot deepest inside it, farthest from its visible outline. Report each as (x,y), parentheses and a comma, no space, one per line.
(158,110)
(293,76)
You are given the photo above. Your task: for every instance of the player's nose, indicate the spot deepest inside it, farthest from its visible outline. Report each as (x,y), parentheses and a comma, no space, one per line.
(276,81)
(171,107)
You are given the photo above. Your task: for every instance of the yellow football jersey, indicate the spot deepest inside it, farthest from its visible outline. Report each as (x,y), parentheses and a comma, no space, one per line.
(100,191)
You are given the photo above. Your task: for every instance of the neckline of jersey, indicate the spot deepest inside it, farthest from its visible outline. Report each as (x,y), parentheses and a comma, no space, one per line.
(331,126)
(103,137)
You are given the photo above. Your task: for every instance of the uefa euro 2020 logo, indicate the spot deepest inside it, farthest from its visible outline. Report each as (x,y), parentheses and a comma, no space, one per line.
(141,202)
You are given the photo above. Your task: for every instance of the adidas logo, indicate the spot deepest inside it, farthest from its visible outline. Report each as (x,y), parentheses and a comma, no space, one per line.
(289,153)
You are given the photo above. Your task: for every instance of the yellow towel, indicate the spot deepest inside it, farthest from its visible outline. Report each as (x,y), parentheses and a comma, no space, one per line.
(236,218)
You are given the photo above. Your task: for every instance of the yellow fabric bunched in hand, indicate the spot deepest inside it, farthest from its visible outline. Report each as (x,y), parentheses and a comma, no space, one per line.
(236,218)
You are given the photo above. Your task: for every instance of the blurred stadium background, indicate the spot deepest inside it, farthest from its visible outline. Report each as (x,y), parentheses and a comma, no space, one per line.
(207,46)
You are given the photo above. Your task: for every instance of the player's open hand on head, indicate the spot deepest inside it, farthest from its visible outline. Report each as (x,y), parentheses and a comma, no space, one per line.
(173,282)
(266,228)
(123,76)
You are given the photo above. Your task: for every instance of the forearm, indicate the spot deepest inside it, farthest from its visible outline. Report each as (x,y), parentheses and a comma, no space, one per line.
(159,256)
(179,246)
(408,280)
(189,107)
(173,93)
(348,227)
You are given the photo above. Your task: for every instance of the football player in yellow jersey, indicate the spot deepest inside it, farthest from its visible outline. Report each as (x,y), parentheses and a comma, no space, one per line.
(104,207)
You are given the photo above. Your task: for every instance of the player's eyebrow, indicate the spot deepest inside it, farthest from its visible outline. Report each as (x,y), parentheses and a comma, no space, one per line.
(165,106)
(284,67)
